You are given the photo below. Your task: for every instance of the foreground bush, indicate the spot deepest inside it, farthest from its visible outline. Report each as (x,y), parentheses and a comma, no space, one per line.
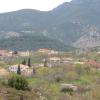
(18,82)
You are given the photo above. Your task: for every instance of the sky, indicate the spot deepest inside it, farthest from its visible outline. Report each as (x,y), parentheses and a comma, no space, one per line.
(43,5)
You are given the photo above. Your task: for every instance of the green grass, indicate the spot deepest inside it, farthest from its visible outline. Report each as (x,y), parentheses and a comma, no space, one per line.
(33,81)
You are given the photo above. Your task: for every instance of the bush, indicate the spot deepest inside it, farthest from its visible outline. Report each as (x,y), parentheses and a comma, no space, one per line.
(58,79)
(18,82)
(67,90)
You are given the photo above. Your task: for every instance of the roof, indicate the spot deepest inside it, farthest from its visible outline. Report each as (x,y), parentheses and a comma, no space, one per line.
(54,58)
(95,63)
(43,50)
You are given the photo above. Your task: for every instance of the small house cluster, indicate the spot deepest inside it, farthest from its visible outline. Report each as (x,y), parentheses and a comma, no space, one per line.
(47,51)
(4,53)
(25,70)
(7,53)
(57,61)
(94,64)
(14,68)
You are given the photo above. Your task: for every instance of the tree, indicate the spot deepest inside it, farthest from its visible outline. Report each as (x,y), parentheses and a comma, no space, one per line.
(18,82)
(24,62)
(19,70)
(67,90)
(29,62)
(45,62)
(15,52)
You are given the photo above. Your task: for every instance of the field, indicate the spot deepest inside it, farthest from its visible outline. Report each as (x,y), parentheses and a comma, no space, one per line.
(48,81)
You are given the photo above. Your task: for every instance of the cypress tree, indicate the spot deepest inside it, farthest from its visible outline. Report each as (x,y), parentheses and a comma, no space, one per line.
(19,70)
(24,62)
(29,62)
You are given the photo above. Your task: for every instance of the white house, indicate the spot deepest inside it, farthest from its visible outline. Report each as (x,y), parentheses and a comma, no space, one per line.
(14,68)
(66,60)
(24,54)
(98,52)
(53,52)
(54,59)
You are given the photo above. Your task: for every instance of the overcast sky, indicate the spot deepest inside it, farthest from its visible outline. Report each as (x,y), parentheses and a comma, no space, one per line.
(43,5)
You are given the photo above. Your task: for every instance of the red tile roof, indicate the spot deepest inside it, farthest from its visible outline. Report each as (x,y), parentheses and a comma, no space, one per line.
(94,64)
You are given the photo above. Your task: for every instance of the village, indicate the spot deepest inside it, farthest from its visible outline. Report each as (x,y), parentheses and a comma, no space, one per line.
(62,70)
(48,58)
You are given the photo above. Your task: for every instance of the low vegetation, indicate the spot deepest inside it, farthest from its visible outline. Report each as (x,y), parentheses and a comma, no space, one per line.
(68,82)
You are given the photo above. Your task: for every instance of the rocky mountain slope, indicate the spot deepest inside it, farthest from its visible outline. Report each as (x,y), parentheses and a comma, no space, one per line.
(75,24)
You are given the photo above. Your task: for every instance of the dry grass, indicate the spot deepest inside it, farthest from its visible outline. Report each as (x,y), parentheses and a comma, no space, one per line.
(3,72)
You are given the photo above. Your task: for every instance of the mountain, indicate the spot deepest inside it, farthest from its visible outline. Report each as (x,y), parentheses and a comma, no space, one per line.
(76,24)
(25,42)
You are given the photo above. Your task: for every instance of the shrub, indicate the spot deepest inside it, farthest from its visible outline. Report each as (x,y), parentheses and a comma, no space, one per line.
(18,82)
(58,79)
(67,90)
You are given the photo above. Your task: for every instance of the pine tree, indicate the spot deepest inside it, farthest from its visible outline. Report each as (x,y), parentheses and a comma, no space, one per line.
(29,62)
(19,70)
(24,62)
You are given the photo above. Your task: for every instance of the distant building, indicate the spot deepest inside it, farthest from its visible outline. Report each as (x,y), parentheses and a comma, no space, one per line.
(14,68)
(94,64)
(54,59)
(52,52)
(98,52)
(4,52)
(44,50)
(25,70)
(24,54)
(67,60)
(28,72)
(48,51)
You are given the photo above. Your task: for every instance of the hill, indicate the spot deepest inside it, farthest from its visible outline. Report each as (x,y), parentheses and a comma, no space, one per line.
(32,43)
(75,24)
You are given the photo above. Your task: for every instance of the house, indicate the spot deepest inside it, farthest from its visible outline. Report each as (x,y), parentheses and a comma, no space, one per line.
(94,64)
(54,59)
(14,68)
(44,50)
(98,52)
(28,72)
(66,60)
(24,54)
(53,52)
(4,52)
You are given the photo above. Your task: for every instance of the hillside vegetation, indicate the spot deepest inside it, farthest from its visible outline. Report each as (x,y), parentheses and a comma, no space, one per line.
(75,24)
